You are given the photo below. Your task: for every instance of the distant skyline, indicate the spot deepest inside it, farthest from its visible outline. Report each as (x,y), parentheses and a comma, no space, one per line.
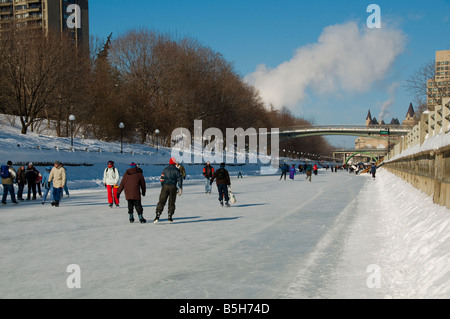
(318,58)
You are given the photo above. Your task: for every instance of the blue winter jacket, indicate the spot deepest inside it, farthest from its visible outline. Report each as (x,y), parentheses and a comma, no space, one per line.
(45,177)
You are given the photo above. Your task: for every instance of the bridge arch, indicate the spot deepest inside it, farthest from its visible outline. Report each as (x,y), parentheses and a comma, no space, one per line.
(357,153)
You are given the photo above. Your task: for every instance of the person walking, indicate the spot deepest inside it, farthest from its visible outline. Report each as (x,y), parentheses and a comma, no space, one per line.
(47,186)
(222,178)
(58,178)
(171,185)
(208,172)
(31,175)
(111,181)
(21,182)
(8,175)
(133,183)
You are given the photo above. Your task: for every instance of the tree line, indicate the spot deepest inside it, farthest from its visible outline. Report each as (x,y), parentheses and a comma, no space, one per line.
(142,78)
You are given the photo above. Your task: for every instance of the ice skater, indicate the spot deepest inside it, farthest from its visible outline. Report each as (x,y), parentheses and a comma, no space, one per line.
(222,178)
(171,186)
(133,183)
(111,178)
(373,171)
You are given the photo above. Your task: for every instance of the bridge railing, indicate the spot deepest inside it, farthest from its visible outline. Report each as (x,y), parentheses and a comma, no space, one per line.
(432,123)
(345,127)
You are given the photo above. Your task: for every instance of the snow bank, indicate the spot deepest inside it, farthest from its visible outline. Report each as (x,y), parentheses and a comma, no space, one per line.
(416,256)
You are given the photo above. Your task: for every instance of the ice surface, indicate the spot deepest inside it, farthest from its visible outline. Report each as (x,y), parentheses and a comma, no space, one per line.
(290,239)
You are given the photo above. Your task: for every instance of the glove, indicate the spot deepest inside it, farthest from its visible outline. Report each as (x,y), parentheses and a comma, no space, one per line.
(180,192)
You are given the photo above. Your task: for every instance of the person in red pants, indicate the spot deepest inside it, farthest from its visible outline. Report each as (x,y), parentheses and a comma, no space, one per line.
(111,181)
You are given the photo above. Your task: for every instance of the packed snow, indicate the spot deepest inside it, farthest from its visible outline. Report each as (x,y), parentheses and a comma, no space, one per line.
(340,236)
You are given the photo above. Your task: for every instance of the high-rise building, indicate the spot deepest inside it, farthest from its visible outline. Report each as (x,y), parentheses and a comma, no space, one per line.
(48,15)
(439,87)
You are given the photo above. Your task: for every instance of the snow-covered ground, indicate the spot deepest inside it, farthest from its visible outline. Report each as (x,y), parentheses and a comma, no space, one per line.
(341,236)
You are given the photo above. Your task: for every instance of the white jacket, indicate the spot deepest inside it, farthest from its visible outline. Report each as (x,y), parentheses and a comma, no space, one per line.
(111,176)
(58,177)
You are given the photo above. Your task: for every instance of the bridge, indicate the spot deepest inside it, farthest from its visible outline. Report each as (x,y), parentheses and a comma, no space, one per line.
(375,154)
(374,131)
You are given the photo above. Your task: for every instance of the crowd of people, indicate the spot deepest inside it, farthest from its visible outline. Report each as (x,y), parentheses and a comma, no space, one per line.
(307,169)
(54,181)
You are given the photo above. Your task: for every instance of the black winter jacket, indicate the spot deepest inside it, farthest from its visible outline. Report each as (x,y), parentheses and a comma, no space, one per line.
(171,176)
(221,176)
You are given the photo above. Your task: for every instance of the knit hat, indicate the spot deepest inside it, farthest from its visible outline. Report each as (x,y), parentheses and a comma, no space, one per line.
(9,163)
(132,165)
(222,165)
(58,163)
(173,161)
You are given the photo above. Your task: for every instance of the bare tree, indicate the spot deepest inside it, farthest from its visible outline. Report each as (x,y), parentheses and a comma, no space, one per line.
(37,71)
(422,85)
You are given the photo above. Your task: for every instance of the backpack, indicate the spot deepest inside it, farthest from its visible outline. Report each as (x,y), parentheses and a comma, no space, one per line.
(220,174)
(5,172)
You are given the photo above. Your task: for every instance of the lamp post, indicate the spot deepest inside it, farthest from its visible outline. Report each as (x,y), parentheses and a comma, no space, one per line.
(121,126)
(71,119)
(157,140)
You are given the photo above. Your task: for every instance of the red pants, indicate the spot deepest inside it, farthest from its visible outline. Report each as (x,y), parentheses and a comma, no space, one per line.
(112,192)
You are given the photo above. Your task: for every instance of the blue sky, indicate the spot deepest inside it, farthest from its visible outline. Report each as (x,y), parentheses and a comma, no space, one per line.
(283,35)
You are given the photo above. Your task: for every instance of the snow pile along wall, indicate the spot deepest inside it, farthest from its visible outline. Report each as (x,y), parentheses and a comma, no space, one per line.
(417,249)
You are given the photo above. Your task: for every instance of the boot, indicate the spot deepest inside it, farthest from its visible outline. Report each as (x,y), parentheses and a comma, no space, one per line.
(131,218)
(142,220)
(156,220)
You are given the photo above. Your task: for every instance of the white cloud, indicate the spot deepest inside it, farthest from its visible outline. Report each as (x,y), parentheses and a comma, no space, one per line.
(344,59)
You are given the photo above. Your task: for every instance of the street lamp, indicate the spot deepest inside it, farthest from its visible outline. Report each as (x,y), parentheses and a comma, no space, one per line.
(121,126)
(157,140)
(71,119)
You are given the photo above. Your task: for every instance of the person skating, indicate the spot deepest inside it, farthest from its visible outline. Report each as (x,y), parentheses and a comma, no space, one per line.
(208,172)
(133,183)
(308,171)
(48,188)
(182,171)
(292,172)
(171,185)
(65,188)
(111,181)
(8,175)
(284,171)
(315,169)
(373,170)
(21,182)
(31,176)
(222,178)
(58,178)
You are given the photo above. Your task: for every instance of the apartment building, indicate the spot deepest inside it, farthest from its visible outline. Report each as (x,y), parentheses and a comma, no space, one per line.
(439,87)
(46,15)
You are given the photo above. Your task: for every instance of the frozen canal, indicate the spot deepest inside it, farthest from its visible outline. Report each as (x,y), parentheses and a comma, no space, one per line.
(290,239)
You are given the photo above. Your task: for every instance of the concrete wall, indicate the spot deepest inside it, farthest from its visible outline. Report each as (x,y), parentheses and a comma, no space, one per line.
(428,171)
